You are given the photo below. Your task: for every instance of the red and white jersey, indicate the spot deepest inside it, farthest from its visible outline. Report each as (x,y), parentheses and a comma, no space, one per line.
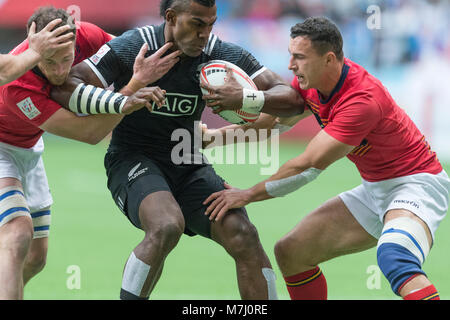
(361,112)
(25,103)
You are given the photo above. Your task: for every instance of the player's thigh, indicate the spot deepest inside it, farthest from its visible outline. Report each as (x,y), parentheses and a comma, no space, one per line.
(402,213)
(160,211)
(141,191)
(234,232)
(10,182)
(13,205)
(201,182)
(329,231)
(237,234)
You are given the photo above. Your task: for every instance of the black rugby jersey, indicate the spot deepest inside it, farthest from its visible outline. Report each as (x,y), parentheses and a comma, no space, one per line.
(152,132)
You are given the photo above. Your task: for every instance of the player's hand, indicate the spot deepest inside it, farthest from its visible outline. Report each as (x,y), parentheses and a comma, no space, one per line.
(222,201)
(225,97)
(209,134)
(48,41)
(265,121)
(143,97)
(151,69)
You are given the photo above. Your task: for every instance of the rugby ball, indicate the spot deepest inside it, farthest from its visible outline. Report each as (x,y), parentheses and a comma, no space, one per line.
(214,73)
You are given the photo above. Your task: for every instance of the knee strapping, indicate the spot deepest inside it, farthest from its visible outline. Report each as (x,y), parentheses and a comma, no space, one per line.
(41,223)
(12,204)
(401,251)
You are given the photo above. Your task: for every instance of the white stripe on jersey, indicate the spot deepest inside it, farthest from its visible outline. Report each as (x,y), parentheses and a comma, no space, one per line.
(210,46)
(154,37)
(145,38)
(97,73)
(148,36)
(150,39)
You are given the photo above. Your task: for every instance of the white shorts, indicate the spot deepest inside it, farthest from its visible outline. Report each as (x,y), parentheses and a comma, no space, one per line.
(426,195)
(27,166)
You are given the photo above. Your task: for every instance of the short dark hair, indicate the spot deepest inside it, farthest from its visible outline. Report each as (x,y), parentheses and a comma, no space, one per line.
(323,33)
(181,5)
(44,15)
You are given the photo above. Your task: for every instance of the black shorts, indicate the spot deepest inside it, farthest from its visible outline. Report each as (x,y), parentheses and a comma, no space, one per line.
(133,176)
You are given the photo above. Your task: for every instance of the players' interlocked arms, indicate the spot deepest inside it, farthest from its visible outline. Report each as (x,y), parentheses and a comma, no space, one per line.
(165,199)
(404,192)
(26,111)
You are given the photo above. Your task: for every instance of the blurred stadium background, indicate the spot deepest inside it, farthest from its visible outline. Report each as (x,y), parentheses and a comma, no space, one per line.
(405,43)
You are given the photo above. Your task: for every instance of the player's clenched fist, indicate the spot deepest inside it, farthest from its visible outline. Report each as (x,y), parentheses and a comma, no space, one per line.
(48,41)
(142,99)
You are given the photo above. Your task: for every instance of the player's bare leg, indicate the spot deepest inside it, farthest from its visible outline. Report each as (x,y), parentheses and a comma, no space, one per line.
(240,239)
(327,232)
(15,239)
(163,223)
(36,258)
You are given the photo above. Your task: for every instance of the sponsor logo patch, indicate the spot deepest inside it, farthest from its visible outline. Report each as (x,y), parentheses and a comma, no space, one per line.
(28,108)
(177,105)
(100,54)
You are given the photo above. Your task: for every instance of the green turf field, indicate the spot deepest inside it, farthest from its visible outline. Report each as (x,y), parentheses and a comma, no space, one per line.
(91,236)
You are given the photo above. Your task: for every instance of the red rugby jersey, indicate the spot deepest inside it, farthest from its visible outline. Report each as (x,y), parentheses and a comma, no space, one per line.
(25,103)
(361,112)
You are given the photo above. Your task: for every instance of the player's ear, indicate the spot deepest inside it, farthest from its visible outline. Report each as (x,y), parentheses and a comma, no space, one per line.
(171,16)
(330,58)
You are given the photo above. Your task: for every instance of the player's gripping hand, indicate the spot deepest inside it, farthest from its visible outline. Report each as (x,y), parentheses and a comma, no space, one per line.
(143,97)
(46,42)
(222,201)
(151,69)
(225,97)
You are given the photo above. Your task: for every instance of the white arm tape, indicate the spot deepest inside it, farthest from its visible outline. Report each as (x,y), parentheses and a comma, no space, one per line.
(282,187)
(252,100)
(88,99)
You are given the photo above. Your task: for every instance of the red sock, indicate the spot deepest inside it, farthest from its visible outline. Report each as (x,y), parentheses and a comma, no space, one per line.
(308,285)
(427,293)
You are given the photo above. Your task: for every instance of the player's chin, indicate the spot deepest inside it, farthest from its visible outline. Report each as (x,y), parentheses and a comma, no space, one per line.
(58,82)
(193,52)
(303,83)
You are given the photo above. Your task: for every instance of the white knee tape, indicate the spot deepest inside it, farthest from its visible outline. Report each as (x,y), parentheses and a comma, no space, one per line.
(270,277)
(135,274)
(12,204)
(407,233)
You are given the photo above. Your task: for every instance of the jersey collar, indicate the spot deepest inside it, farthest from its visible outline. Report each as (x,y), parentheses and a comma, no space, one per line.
(338,87)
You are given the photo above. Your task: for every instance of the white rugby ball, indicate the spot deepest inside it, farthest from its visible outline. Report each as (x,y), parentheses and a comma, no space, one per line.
(214,73)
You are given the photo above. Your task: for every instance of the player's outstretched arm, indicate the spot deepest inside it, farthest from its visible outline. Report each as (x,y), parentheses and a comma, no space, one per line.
(274,96)
(263,128)
(322,151)
(218,137)
(41,45)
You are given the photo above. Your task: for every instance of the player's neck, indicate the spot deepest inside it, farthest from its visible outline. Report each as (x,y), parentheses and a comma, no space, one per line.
(331,80)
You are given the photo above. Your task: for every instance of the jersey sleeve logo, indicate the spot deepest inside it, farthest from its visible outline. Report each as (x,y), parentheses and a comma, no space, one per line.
(28,108)
(95,59)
